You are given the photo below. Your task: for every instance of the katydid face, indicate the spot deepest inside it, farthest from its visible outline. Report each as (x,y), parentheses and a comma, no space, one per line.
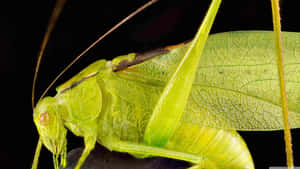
(50,125)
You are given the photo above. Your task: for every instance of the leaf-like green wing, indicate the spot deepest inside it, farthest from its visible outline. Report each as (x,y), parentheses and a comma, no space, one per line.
(236,86)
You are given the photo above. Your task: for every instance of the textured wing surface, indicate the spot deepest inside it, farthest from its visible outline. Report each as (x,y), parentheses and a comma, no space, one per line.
(236,86)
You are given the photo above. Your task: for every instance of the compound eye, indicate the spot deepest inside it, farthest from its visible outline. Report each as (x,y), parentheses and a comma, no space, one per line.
(44,118)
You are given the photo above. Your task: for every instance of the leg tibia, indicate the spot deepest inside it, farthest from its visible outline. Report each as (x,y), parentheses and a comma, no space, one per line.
(83,156)
(89,142)
(146,151)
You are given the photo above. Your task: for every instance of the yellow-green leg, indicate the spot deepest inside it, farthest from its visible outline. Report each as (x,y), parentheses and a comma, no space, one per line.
(170,106)
(89,143)
(84,155)
(141,150)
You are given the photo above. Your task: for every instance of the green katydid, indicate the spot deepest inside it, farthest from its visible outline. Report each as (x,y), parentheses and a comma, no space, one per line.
(112,102)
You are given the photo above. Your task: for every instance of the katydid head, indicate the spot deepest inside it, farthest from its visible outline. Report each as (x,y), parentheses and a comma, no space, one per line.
(50,125)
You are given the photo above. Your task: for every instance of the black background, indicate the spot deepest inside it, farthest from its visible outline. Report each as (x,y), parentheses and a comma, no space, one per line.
(167,22)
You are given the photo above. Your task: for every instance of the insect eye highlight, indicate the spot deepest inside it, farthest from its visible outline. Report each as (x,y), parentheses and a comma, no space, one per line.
(44,118)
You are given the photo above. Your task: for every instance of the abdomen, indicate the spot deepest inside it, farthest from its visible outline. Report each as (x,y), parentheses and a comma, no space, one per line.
(219,148)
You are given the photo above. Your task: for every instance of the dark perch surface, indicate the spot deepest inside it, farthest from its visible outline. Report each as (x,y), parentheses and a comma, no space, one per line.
(101,158)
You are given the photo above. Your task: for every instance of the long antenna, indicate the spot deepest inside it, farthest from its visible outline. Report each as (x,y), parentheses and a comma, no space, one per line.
(98,40)
(283,95)
(51,24)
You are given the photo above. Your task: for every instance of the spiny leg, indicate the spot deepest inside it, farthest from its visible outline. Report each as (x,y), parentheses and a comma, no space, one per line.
(89,146)
(85,153)
(171,104)
(145,150)
(197,161)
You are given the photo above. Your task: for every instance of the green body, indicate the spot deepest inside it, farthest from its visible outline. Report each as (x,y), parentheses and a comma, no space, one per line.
(235,88)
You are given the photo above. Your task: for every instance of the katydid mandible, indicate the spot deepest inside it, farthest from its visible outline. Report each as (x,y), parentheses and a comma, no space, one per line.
(121,103)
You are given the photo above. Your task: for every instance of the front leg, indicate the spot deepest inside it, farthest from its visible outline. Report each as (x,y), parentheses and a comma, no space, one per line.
(89,146)
(89,129)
